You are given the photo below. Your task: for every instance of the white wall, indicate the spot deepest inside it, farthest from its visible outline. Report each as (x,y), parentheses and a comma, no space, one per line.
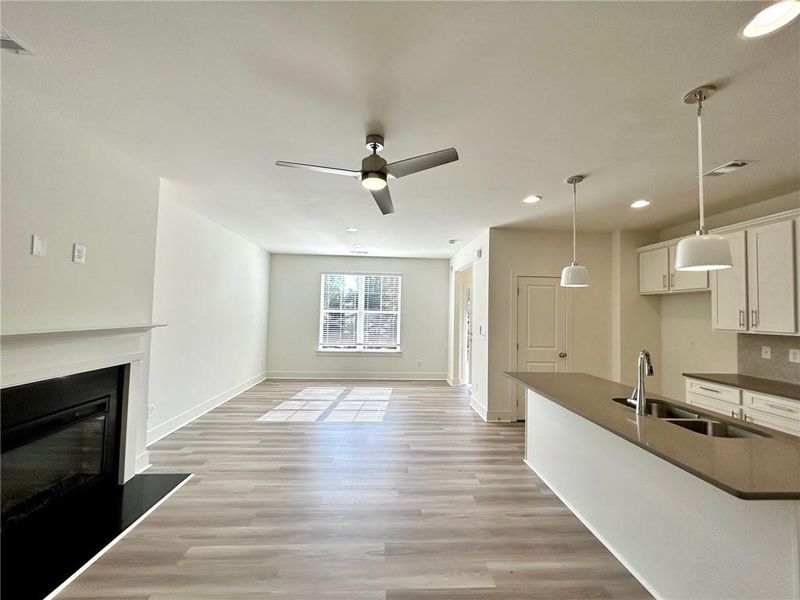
(294,319)
(211,288)
(62,182)
(635,319)
(465,258)
(516,253)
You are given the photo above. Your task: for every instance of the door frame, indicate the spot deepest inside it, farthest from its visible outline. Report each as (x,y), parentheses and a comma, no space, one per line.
(515,391)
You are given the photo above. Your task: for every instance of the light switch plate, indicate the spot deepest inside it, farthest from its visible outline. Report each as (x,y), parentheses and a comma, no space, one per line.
(794,355)
(38,245)
(766,352)
(79,254)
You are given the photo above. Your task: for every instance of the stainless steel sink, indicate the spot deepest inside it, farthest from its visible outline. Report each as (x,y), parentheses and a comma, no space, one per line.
(661,410)
(693,421)
(714,428)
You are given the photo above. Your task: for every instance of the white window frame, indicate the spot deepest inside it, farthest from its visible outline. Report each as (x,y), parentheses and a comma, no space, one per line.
(360,312)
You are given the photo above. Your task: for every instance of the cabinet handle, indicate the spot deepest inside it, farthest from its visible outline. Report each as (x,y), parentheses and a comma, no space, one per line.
(664,281)
(672,280)
(753,317)
(708,389)
(778,407)
(741,318)
(733,414)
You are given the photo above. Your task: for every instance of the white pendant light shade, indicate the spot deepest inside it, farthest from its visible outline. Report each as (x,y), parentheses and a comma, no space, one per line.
(703,252)
(575,276)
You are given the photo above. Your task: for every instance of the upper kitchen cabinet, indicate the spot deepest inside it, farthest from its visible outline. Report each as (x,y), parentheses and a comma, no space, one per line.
(657,274)
(759,293)
(771,278)
(729,288)
(654,271)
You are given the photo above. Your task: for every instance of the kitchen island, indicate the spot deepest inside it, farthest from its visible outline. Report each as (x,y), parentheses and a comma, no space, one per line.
(691,515)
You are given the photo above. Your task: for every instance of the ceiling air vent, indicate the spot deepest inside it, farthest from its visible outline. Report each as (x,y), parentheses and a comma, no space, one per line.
(728,167)
(9,44)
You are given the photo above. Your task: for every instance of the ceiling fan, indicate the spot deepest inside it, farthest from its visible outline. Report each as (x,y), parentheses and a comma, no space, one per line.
(375,170)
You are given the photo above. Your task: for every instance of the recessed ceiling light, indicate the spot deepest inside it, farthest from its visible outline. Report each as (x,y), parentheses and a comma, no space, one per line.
(351,229)
(772,18)
(451,242)
(640,203)
(531,199)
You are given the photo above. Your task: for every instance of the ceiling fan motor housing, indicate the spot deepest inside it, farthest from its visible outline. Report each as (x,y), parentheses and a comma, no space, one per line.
(373,164)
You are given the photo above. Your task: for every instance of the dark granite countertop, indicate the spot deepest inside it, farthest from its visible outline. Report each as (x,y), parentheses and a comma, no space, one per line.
(754,384)
(751,468)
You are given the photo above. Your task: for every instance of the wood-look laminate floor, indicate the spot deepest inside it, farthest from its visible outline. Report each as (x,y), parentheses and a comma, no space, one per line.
(431,503)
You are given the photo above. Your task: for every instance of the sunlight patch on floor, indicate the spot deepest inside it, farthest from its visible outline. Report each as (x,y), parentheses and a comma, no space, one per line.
(318,404)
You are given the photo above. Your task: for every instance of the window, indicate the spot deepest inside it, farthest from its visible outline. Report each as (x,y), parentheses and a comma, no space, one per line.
(359,312)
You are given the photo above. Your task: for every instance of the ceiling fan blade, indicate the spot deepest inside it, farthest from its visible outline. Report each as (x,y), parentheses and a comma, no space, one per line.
(401,168)
(331,170)
(384,200)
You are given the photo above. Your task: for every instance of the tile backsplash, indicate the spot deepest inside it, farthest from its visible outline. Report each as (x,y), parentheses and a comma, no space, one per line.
(778,366)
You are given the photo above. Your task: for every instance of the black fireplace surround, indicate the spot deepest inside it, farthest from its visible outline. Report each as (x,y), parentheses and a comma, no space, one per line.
(62,503)
(60,439)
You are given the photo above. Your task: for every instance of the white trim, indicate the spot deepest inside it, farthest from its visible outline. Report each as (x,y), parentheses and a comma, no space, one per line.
(142,462)
(594,532)
(478,408)
(108,546)
(170,426)
(93,329)
(404,375)
(51,372)
(455,381)
(343,352)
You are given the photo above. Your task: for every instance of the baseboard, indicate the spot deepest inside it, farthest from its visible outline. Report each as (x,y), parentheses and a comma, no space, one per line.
(455,381)
(186,417)
(142,462)
(386,375)
(478,408)
(594,532)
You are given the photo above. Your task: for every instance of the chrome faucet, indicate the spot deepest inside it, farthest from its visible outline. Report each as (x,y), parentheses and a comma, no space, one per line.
(644,368)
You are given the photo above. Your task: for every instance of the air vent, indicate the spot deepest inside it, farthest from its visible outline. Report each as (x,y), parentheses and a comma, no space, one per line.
(728,167)
(9,44)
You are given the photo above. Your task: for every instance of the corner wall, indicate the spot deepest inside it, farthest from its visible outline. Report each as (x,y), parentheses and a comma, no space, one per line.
(211,289)
(464,259)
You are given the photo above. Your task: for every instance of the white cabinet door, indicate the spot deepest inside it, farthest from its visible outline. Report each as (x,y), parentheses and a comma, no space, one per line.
(771,278)
(683,281)
(654,271)
(729,289)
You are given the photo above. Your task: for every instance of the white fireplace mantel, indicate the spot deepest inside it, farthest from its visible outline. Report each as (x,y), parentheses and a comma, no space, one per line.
(36,355)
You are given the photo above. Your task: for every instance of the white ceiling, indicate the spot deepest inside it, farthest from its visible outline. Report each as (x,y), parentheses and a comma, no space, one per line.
(211,94)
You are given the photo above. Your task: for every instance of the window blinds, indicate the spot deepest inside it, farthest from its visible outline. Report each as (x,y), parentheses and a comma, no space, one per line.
(360,312)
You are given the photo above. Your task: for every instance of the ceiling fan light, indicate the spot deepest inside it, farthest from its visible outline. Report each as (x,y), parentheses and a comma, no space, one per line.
(703,252)
(576,276)
(772,18)
(374,181)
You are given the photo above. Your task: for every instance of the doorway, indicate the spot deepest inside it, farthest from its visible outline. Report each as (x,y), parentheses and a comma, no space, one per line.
(542,327)
(465,320)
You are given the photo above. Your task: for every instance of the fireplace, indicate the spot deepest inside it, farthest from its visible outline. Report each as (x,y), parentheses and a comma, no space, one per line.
(60,440)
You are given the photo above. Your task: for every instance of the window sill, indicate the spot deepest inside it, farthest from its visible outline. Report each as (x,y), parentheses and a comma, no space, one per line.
(341,352)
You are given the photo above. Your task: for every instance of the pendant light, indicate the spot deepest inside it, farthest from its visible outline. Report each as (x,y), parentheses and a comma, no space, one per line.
(574,275)
(704,251)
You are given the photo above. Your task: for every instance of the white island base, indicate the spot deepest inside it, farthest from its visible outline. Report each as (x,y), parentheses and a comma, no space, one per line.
(680,536)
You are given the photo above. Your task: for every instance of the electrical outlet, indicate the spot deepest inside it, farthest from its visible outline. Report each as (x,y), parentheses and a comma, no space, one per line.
(38,245)
(79,254)
(151,410)
(766,352)
(794,355)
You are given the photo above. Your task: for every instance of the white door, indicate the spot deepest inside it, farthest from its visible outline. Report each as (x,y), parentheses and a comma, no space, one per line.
(770,274)
(681,281)
(653,271)
(729,288)
(541,329)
